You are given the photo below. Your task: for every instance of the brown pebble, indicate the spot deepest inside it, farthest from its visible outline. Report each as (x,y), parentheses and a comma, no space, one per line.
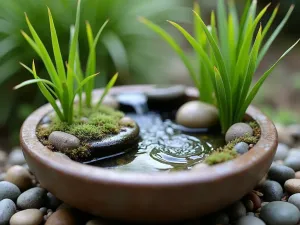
(255,199)
(292,186)
(297,175)
(27,217)
(19,176)
(62,217)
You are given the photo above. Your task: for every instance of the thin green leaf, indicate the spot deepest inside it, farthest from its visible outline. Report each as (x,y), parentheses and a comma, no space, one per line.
(86,80)
(110,84)
(33,81)
(223,28)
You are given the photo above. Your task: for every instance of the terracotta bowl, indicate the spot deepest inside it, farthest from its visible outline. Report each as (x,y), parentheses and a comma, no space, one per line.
(154,197)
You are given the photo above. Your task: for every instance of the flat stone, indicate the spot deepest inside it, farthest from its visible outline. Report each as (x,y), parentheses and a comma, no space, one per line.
(27,217)
(16,157)
(63,141)
(281,173)
(280,213)
(250,220)
(238,130)
(19,176)
(33,198)
(281,152)
(166,93)
(236,211)
(295,200)
(272,191)
(7,210)
(292,186)
(196,114)
(62,217)
(241,148)
(9,190)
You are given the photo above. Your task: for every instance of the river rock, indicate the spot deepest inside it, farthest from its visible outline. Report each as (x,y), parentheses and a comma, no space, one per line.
(16,157)
(284,136)
(33,198)
(292,186)
(295,200)
(63,141)
(196,114)
(280,213)
(297,175)
(250,220)
(236,211)
(9,190)
(272,191)
(293,159)
(281,173)
(238,130)
(62,217)
(7,210)
(2,176)
(52,201)
(19,176)
(281,152)
(27,217)
(241,148)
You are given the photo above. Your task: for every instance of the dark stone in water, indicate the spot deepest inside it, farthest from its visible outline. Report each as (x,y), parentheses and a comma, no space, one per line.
(114,145)
(136,102)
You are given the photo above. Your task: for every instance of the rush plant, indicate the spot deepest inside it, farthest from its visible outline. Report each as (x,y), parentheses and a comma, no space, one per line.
(66,80)
(228,52)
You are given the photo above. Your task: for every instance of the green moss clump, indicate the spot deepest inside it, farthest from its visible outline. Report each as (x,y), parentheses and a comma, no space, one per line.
(227,152)
(89,124)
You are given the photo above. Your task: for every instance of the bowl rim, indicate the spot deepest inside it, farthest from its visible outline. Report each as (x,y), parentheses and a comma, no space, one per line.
(33,147)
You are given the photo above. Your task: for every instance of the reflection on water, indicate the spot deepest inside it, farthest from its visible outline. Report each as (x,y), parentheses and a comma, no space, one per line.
(163,147)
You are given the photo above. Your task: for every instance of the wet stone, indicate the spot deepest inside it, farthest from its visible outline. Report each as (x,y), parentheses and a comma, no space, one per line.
(295,200)
(272,191)
(33,198)
(9,191)
(16,157)
(166,93)
(250,220)
(281,173)
(281,152)
(238,130)
(280,213)
(292,186)
(196,114)
(27,217)
(19,176)
(236,210)
(63,141)
(7,210)
(241,148)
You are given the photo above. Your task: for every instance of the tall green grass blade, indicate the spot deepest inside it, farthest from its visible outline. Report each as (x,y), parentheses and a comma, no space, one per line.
(275,34)
(257,86)
(223,28)
(86,80)
(270,22)
(169,39)
(33,81)
(56,49)
(110,84)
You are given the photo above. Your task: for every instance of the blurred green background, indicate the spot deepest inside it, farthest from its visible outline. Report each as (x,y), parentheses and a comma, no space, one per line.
(128,47)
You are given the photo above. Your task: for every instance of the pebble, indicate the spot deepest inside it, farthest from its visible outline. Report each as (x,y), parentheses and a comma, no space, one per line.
(16,157)
(9,190)
(294,131)
(292,186)
(280,213)
(126,121)
(297,175)
(63,141)
(293,159)
(295,200)
(27,217)
(2,176)
(250,220)
(52,201)
(254,199)
(236,211)
(272,191)
(238,130)
(62,217)
(249,205)
(284,136)
(33,198)
(43,210)
(281,152)
(241,148)
(19,176)
(196,114)
(111,102)
(281,173)
(3,157)
(7,210)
